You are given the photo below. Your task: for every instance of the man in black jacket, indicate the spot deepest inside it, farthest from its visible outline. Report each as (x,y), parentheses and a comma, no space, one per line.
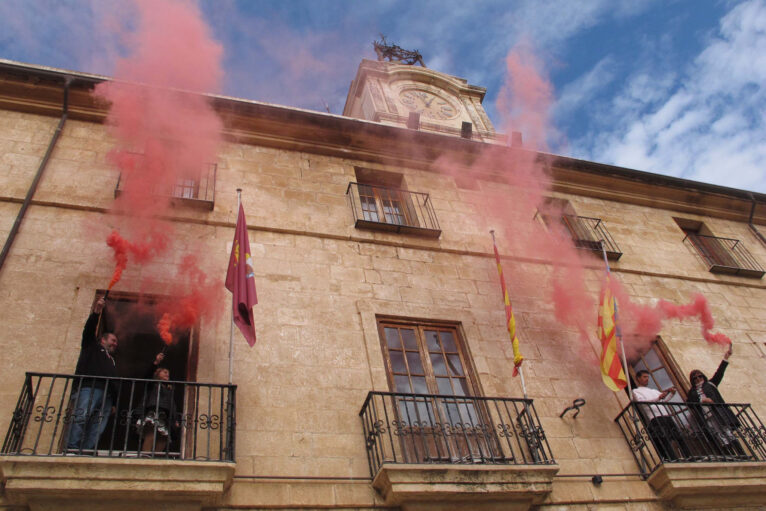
(92,397)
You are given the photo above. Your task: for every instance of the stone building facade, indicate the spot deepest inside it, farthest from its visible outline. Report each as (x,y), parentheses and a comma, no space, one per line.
(340,284)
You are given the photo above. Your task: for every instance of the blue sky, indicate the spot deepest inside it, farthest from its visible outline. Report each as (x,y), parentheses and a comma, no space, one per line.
(673,87)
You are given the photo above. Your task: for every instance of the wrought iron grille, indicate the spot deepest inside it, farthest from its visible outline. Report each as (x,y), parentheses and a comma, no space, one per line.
(195,190)
(57,414)
(692,432)
(724,255)
(590,233)
(392,209)
(429,428)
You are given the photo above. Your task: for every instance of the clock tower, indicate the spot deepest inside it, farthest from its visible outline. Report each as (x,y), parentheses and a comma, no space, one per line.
(399,93)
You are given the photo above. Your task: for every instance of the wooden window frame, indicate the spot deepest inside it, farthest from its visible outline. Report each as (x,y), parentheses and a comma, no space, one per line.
(668,363)
(420,325)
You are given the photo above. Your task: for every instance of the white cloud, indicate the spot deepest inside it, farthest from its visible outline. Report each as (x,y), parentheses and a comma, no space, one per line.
(705,122)
(587,86)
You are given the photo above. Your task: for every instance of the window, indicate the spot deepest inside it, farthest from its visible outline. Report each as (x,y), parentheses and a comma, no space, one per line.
(380,201)
(438,416)
(191,186)
(664,373)
(425,359)
(586,233)
(134,320)
(720,255)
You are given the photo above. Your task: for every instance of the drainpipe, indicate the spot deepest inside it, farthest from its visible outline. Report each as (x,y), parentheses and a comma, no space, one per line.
(750,222)
(38,176)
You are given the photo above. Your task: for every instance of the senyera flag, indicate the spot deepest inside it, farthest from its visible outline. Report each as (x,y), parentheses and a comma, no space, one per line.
(611,369)
(510,320)
(240,280)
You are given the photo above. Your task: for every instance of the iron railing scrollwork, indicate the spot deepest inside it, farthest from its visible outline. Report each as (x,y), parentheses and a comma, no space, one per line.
(199,419)
(195,189)
(724,255)
(430,428)
(392,209)
(590,233)
(660,433)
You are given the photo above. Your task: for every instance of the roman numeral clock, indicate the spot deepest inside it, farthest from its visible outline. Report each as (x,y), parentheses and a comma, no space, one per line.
(428,104)
(390,89)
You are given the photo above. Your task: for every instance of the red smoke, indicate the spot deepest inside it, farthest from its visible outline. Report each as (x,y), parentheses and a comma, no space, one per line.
(141,252)
(642,323)
(196,296)
(530,228)
(163,326)
(166,133)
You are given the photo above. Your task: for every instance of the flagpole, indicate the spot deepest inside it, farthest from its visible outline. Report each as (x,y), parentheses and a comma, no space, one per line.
(519,368)
(231,327)
(617,329)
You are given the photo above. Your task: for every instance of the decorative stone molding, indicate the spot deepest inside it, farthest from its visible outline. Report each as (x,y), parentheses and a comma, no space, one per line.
(710,485)
(469,487)
(43,483)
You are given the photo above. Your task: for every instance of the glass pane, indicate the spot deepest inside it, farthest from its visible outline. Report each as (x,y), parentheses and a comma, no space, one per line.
(425,413)
(652,360)
(437,362)
(413,360)
(461,387)
(433,341)
(455,367)
(397,362)
(468,414)
(639,366)
(663,379)
(402,384)
(408,336)
(451,413)
(419,385)
(448,341)
(392,338)
(408,411)
(445,387)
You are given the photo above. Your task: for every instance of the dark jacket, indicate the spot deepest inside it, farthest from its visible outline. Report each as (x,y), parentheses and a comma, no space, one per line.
(159,397)
(710,388)
(94,360)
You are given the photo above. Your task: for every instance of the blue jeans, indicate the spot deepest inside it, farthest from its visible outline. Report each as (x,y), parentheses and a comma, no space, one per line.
(89,417)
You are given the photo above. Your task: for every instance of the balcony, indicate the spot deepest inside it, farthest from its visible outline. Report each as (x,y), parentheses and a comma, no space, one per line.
(392,210)
(711,455)
(456,450)
(724,255)
(198,191)
(45,454)
(590,233)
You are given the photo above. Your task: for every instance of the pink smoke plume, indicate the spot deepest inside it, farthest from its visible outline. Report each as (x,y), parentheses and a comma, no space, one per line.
(642,323)
(530,228)
(166,133)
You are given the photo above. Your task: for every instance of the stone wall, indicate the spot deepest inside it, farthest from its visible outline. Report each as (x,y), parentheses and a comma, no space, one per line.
(321,283)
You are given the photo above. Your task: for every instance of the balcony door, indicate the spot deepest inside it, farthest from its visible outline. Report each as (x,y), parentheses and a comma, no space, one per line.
(439,418)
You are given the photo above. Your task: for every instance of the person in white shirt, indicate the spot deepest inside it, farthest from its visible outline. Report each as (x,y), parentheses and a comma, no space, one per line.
(662,428)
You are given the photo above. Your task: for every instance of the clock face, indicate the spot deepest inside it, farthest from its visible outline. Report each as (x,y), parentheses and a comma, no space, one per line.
(427,104)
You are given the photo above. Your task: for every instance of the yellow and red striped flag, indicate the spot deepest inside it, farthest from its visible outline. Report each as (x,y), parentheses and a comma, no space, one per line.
(517,358)
(611,368)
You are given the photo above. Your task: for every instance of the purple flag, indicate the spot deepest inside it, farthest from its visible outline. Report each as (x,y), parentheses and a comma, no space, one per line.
(240,280)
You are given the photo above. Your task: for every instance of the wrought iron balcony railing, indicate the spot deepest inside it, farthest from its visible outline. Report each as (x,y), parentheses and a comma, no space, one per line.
(590,233)
(429,428)
(692,432)
(197,190)
(59,414)
(393,210)
(724,255)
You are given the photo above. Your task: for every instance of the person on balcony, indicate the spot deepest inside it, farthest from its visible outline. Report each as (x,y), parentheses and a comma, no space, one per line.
(720,420)
(662,428)
(92,398)
(157,414)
